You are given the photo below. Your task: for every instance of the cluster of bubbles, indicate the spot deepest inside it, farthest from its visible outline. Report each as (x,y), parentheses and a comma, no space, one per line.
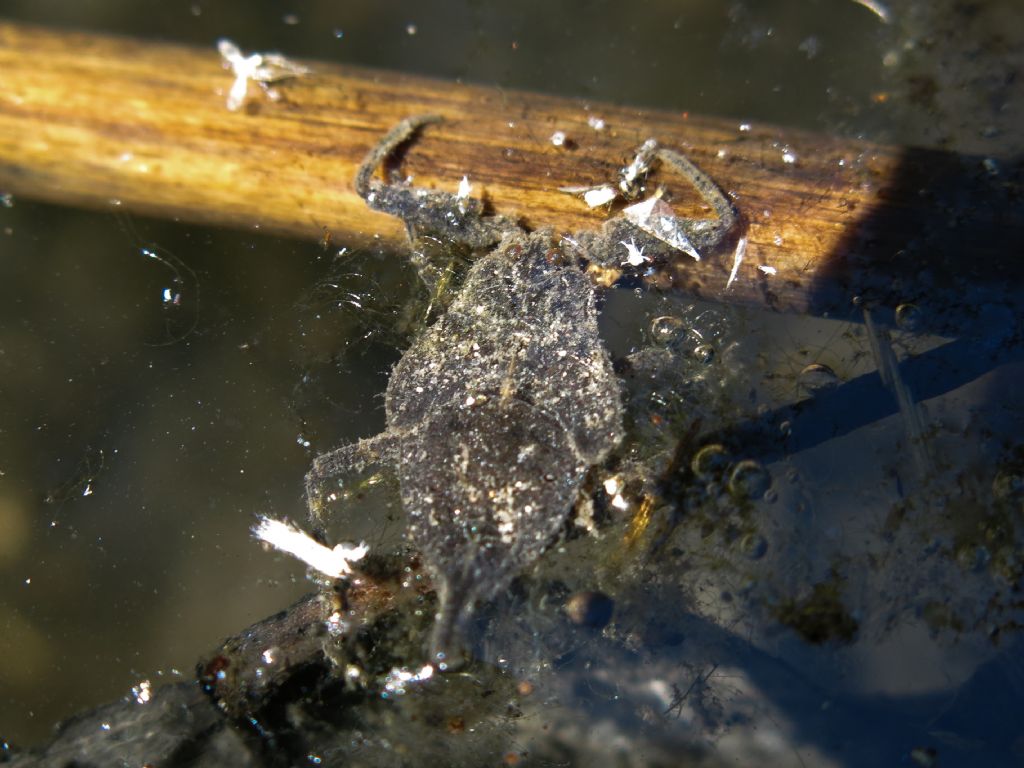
(680,374)
(694,337)
(686,388)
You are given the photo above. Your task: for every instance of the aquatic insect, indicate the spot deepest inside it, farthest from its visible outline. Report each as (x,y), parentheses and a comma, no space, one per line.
(497,411)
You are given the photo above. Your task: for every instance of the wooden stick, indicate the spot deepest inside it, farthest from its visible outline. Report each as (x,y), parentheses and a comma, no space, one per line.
(99,121)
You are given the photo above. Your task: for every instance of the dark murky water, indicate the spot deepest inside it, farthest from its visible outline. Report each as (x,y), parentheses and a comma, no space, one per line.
(161,384)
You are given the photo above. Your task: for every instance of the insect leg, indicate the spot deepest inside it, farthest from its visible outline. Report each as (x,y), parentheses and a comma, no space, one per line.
(708,189)
(454,217)
(365,183)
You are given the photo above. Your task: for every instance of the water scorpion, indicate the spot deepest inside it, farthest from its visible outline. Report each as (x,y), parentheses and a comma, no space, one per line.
(497,411)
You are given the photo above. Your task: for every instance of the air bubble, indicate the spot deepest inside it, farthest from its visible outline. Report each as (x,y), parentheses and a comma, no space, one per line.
(589,609)
(817,378)
(750,480)
(704,353)
(908,317)
(666,330)
(710,461)
(754,546)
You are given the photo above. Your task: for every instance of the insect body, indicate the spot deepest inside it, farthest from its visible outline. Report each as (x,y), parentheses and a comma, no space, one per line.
(496,412)
(506,401)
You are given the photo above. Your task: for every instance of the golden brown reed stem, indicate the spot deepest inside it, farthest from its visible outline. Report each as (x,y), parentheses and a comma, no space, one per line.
(87,119)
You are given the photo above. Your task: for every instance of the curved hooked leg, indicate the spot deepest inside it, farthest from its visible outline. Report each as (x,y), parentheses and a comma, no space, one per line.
(713,195)
(650,231)
(456,217)
(368,187)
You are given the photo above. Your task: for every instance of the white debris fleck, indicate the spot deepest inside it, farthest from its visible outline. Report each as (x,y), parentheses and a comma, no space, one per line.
(768,270)
(397,679)
(612,485)
(737,259)
(619,502)
(745,127)
(336,625)
(595,122)
(287,538)
(558,138)
(464,188)
(635,256)
(655,217)
(259,68)
(142,692)
(410,29)
(598,196)
(789,156)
